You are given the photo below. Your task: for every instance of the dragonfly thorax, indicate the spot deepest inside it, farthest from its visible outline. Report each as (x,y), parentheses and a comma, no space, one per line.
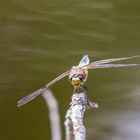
(78,75)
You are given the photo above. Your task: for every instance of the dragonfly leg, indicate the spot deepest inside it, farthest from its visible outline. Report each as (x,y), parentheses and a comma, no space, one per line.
(84,88)
(74,90)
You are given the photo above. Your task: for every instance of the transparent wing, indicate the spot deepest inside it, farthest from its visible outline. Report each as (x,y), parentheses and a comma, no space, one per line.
(84,61)
(115,65)
(96,64)
(33,95)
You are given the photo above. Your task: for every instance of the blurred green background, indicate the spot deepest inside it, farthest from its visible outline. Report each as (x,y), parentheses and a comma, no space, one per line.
(41,39)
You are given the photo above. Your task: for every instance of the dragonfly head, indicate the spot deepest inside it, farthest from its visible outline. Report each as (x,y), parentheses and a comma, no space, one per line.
(76,79)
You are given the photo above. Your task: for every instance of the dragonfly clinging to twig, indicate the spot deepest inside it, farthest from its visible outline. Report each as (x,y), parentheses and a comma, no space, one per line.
(78,75)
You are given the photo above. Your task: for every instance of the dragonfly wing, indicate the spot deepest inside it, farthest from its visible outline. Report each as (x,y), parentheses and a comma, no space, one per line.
(33,95)
(113,65)
(30,97)
(94,64)
(84,61)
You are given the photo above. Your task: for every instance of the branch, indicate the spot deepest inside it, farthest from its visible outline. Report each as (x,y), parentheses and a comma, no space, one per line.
(54,115)
(74,126)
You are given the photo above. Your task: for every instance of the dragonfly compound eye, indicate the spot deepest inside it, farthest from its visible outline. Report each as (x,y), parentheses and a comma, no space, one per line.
(81,77)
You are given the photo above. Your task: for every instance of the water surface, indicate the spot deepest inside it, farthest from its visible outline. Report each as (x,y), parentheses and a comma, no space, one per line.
(41,39)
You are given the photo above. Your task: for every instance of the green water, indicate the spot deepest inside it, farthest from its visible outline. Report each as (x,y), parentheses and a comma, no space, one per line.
(41,39)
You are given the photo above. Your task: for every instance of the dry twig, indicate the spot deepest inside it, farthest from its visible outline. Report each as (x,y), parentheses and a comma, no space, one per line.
(54,115)
(74,126)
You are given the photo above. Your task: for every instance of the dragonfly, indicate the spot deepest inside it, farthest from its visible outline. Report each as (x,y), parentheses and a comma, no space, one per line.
(78,75)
